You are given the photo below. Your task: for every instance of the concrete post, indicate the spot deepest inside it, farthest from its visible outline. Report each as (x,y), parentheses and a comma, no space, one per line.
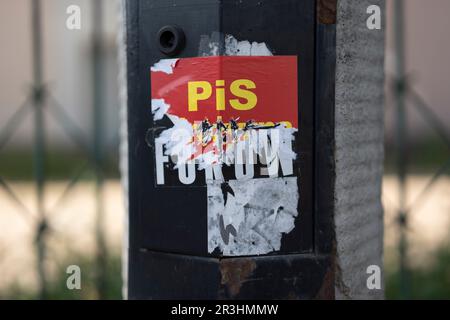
(359,148)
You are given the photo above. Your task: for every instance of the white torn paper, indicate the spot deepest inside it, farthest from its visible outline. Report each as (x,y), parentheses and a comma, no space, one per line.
(254,219)
(165,65)
(257,212)
(233,47)
(159,108)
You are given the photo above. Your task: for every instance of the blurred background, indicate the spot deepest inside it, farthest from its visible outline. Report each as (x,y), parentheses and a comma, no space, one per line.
(60,193)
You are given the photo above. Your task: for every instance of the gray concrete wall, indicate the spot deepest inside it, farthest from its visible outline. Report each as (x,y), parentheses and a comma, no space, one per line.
(359,149)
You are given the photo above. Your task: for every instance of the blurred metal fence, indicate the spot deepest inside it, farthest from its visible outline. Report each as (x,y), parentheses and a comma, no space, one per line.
(39,102)
(405,98)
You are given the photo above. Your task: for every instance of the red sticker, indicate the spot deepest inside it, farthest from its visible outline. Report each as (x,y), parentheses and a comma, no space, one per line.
(224,118)
(262,89)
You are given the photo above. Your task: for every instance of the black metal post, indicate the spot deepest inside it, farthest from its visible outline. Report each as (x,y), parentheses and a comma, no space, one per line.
(39,143)
(169,225)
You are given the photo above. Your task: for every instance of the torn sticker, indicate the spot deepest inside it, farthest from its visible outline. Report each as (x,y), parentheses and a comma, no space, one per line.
(253,219)
(233,47)
(225,117)
(229,120)
(165,65)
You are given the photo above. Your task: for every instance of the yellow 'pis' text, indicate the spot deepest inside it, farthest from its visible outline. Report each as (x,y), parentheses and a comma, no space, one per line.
(241,90)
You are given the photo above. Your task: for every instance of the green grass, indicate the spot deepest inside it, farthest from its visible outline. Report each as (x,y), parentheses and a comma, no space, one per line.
(423,156)
(431,282)
(18,165)
(57,288)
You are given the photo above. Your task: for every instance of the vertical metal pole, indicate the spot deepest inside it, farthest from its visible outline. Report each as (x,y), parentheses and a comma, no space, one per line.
(39,143)
(401,121)
(98,131)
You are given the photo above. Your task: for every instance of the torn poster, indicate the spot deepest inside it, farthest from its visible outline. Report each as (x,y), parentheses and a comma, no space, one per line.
(250,218)
(224,118)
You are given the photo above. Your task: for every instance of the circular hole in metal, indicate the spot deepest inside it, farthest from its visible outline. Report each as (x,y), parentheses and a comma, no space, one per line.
(171,40)
(167,39)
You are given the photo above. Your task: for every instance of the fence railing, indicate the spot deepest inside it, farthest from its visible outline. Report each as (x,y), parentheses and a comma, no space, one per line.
(40,102)
(406,99)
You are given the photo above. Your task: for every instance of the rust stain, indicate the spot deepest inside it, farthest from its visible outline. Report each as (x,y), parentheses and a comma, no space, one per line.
(234,272)
(326,291)
(326,11)
(330,279)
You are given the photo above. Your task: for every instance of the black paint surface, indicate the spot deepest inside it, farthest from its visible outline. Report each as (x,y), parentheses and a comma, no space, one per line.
(168,226)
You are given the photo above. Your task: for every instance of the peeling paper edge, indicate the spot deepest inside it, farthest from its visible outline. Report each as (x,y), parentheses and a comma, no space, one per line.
(234,47)
(159,108)
(164,65)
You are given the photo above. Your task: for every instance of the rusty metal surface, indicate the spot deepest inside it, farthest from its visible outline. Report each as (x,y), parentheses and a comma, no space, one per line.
(234,272)
(289,277)
(326,11)
(326,291)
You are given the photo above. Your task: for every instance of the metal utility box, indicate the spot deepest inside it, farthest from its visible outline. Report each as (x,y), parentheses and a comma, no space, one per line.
(230,139)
